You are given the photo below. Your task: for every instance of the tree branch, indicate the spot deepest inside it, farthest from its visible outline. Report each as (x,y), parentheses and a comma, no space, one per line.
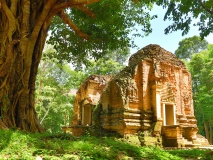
(11,18)
(25,20)
(65,18)
(42,18)
(85,10)
(35,33)
(13,7)
(204,7)
(80,2)
(70,3)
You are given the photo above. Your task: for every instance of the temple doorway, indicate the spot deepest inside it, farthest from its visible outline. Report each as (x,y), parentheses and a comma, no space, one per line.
(169,117)
(86,115)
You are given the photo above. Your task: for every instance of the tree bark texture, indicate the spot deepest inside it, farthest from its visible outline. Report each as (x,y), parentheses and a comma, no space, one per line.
(210,134)
(208,131)
(23,30)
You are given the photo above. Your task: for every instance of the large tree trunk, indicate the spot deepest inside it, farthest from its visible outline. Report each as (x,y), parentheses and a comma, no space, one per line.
(21,48)
(23,29)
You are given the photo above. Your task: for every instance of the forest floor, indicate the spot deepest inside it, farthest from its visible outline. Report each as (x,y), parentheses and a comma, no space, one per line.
(20,145)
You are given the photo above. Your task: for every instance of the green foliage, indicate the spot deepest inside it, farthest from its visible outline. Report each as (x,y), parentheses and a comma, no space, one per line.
(201,68)
(53,102)
(102,67)
(120,55)
(109,30)
(199,60)
(189,46)
(20,145)
(182,12)
(193,154)
(110,63)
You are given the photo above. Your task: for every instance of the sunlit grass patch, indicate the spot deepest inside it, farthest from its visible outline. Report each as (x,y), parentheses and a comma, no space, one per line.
(20,145)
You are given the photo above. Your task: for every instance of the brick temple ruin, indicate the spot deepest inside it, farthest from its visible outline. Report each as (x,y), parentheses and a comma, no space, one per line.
(151,98)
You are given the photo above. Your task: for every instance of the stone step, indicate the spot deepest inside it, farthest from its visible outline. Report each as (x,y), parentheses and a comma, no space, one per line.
(192,145)
(132,120)
(129,124)
(187,142)
(132,116)
(130,110)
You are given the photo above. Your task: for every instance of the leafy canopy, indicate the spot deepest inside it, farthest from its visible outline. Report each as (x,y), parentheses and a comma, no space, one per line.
(189,46)
(108,30)
(201,68)
(112,22)
(181,12)
(52,96)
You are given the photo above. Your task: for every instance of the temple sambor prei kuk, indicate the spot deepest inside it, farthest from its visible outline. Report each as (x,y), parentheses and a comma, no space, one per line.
(150,98)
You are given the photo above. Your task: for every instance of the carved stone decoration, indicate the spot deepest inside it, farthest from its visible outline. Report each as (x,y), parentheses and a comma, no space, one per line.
(151,96)
(132,93)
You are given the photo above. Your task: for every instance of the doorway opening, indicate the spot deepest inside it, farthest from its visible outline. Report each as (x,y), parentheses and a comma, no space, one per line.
(169,117)
(87,115)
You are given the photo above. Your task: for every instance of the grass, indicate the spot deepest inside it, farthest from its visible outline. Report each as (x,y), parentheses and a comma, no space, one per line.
(193,154)
(21,145)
